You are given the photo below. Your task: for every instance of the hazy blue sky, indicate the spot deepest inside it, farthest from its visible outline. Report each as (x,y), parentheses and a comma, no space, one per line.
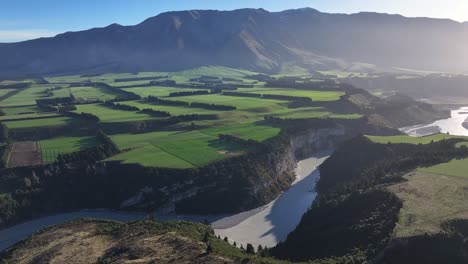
(26,19)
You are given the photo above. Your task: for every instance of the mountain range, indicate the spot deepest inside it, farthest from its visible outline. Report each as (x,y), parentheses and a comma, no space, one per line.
(252,39)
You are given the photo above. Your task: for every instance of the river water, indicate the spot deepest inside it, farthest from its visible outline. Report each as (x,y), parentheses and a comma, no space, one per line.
(265,225)
(452,125)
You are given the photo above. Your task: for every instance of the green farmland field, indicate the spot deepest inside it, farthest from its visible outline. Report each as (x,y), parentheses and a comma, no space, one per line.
(242,103)
(28,116)
(412,140)
(173,110)
(26,97)
(51,148)
(453,168)
(109,115)
(245,131)
(182,148)
(314,95)
(42,122)
(157,91)
(91,93)
(10,111)
(5,91)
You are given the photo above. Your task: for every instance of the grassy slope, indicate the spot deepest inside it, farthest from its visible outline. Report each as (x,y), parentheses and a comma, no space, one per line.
(453,168)
(429,200)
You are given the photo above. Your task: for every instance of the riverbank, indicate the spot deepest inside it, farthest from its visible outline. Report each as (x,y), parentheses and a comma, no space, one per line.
(272,223)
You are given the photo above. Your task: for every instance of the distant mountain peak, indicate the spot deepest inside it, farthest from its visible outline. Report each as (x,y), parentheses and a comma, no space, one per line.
(254,39)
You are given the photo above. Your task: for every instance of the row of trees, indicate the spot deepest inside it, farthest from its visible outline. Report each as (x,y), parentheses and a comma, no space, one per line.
(122,95)
(155,113)
(47,102)
(104,149)
(296,101)
(82,116)
(188,93)
(20,85)
(140,79)
(122,107)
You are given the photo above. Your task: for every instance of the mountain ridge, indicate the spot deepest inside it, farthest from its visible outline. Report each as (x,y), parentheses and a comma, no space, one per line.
(253,39)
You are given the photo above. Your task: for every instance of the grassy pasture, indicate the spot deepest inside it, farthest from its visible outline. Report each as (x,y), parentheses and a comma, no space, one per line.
(5,91)
(158,91)
(185,76)
(51,148)
(108,115)
(43,122)
(242,103)
(26,97)
(64,92)
(245,131)
(149,155)
(412,140)
(28,116)
(314,95)
(312,112)
(181,149)
(173,110)
(456,167)
(429,200)
(91,93)
(10,111)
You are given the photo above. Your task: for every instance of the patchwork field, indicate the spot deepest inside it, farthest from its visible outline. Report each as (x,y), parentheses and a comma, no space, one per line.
(187,143)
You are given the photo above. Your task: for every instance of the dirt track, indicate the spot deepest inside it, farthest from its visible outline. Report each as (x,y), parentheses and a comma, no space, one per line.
(24,154)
